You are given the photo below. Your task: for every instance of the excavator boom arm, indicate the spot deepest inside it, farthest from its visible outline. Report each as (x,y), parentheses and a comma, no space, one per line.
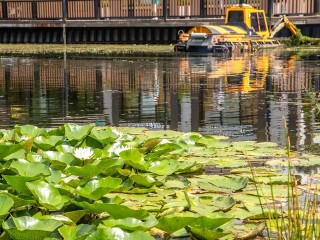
(281,23)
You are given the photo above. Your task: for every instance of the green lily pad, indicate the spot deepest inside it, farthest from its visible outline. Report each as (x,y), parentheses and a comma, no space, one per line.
(97,188)
(29,228)
(134,158)
(169,134)
(118,234)
(132,223)
(207,234)
(164,167)
(28,130)
(47,195)
(6,203)
(47,143)
(30,169)
(176,221)
(11,151)
(116,211)
(145,181)
(94,169)
(76,132)
(79,232)
(18,183)
(224,203)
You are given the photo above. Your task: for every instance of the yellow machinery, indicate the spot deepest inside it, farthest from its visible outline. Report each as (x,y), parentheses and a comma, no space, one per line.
(245,28)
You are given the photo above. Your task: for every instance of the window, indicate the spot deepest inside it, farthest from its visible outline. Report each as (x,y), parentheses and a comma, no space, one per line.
(235,16)
(254,21)
(263,25)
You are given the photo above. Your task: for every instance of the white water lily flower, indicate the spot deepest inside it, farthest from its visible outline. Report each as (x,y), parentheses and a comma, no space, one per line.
(164,141)
(117,148)
(119,134)
(83,153)
(24,138)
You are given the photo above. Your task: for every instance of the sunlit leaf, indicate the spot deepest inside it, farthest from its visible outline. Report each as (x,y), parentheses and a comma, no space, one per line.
(76,132)
(118,234)
(29,228)
(176,221)
(47,143)
(163,134)
(28,130)
(6,204)
(9,151)
(164,167)
(30,169)
(132,223)
(18,183)
(91,170)
(80,232)
(116,211)
(97,188)
(47,195)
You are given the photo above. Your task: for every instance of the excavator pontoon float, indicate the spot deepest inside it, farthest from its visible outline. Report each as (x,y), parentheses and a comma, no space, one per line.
(245,28)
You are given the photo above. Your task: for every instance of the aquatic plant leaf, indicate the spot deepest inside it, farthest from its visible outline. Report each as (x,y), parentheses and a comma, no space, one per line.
(168,134)
(59,158)
(76,132)
(104,136)
(224,203)
(6,203)
(20,201)
(174,222)
(47,195)
(79,232)
(164,167)
(47,143)
(244,145)
(213,220)
(207,141)
(97,188)
(10,151)
(91,170)
(224,183)
(75,216)
(28,130)
(132,223)
(134,158)
(18,183)
(176,184)
(145,181)
(230,163)
(30,169)
(207,234)
(118,234)
(29,228)
(116,211)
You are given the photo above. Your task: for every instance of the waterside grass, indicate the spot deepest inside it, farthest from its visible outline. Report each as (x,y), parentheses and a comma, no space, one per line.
(93,50)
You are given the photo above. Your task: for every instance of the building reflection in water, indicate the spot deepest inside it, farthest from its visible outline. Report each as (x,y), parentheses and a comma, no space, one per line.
(246,97)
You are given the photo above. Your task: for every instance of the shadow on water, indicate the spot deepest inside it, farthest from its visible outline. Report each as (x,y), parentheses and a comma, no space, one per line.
(244,97)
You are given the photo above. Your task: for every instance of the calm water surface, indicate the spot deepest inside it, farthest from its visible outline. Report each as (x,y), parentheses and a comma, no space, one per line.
(248,97)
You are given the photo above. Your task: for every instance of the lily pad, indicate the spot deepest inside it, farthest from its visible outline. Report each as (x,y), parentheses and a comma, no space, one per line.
(47,195)
(6,204)
(30,169)
(79,232)
(97,188)
(118,234)
(29,228)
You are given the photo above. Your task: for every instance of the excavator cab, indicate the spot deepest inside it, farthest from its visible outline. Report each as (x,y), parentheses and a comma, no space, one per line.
(252,20)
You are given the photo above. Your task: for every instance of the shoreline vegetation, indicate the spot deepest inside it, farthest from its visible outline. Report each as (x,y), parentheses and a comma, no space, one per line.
(102,50)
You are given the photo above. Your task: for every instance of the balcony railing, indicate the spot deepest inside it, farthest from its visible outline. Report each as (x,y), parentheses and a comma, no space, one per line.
(109,9)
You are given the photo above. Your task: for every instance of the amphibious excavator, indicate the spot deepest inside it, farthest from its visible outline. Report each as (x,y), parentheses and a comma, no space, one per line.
(245,28)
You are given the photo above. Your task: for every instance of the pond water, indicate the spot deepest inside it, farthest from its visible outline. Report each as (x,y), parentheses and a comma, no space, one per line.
(247,97)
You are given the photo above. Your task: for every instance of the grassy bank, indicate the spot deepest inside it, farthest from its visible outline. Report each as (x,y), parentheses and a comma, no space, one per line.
(85,49)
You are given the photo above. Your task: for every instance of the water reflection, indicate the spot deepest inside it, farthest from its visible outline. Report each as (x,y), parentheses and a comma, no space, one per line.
(247,97)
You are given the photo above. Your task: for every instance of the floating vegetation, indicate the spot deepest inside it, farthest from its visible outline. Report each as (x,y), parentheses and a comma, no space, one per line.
(300,39)
(87,182)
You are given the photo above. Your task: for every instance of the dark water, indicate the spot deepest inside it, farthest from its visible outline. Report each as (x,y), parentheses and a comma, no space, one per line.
(250,97)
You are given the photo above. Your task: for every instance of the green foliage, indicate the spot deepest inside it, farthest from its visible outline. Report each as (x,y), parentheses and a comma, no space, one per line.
(80,182)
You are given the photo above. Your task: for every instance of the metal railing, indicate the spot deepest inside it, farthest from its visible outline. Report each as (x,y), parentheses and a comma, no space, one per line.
(107,9)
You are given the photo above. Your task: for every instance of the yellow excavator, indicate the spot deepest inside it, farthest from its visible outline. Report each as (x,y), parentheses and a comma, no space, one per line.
(245,28)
